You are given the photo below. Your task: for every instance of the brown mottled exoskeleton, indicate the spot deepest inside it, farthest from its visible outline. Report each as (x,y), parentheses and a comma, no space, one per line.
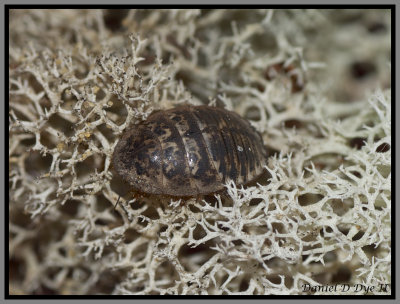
(189,151)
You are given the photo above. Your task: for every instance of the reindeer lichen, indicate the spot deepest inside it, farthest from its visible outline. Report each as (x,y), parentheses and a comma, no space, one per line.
(315,83)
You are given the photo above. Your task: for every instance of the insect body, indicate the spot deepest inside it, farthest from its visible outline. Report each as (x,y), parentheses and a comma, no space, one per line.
(189,151)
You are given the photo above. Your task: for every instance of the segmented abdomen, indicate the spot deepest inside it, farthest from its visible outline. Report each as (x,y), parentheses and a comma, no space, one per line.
(193,150)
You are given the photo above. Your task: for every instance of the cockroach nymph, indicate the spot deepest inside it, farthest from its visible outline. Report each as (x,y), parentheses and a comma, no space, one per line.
(189,151)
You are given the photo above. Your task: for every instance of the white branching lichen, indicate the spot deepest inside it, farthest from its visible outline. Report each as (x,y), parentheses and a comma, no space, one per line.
(320,215)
